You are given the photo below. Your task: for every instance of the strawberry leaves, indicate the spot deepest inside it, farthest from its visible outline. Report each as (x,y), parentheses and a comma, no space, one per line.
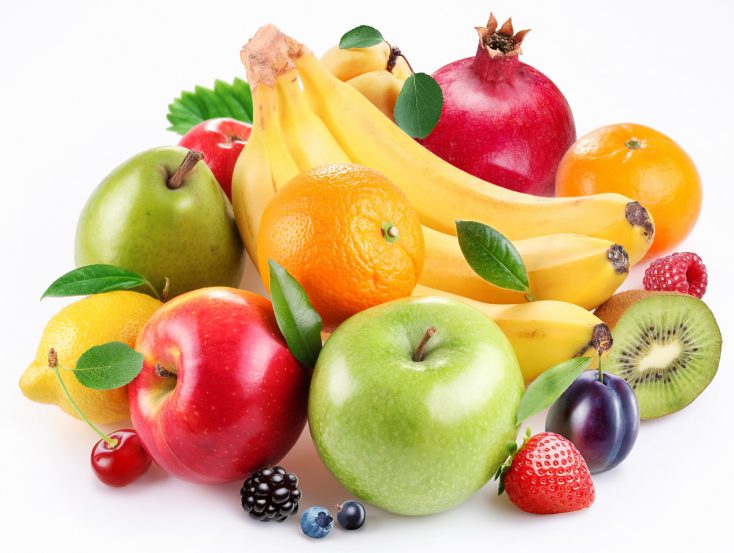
(223,100)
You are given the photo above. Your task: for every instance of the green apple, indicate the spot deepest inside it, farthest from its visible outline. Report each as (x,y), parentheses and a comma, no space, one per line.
(162,214)
(412,403)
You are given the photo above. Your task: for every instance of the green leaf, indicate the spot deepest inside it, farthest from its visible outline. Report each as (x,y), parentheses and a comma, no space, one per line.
(419,105)
(108,366)
(297,319)
(492,256)
(224,100)
(363,36)
(549,386)
(94,279)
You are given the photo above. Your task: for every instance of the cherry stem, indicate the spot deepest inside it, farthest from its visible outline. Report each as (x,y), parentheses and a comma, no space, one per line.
(152,289)
(418,354)
(53,364)
(187,165)
(164,373)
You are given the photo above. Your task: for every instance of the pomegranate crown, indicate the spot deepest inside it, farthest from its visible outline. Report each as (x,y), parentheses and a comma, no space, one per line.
(503,41)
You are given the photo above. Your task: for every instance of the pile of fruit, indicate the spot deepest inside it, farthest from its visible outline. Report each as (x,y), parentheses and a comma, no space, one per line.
(418,314)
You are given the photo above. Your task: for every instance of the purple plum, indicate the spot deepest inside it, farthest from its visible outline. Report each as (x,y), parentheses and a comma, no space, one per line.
(600,418)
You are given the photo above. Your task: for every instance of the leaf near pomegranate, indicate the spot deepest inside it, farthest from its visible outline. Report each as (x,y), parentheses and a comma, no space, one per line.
(419,105)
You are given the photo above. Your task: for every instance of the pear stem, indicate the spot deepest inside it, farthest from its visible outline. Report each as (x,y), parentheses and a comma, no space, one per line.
(53,364)
(166,290)
(189,162)
(418,354)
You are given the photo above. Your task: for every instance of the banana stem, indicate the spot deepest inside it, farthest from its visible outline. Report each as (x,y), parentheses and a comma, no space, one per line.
(53,364)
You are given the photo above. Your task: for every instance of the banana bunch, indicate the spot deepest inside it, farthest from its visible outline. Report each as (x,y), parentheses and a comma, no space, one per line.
(577,250)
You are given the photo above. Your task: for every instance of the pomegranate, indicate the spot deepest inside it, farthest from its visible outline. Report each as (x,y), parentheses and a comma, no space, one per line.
(502,120)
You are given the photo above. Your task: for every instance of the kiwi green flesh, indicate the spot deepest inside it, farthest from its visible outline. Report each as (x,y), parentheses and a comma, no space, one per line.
(667,347)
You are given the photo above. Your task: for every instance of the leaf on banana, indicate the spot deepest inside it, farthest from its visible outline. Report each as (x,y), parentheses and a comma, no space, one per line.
(492,256)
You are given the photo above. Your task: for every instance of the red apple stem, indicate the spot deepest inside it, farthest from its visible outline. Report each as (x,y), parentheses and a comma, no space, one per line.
(418,354)
(189,162)
(164,373)
(53,364)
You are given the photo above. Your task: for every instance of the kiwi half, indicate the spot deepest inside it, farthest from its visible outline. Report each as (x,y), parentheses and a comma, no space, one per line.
(667,347)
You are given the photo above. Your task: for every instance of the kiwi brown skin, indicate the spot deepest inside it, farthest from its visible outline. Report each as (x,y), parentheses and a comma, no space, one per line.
(611,310)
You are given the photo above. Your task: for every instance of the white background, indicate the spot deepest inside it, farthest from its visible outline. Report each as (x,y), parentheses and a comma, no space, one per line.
(83,86)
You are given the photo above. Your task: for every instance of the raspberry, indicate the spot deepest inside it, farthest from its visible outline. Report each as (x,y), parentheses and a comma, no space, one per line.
(677,272)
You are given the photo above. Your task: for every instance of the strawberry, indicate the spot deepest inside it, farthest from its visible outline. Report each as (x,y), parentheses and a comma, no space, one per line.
(546,475)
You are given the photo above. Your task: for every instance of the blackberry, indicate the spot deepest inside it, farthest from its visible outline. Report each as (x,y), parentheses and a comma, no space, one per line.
(271,494)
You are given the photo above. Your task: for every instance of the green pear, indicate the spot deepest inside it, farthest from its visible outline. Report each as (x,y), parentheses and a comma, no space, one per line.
(162,214)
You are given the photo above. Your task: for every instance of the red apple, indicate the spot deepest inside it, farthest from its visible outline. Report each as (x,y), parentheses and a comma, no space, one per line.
(219,395)
(221,141)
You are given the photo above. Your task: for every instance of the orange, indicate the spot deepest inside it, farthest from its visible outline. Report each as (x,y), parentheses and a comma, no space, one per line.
(643,164)
(347,235)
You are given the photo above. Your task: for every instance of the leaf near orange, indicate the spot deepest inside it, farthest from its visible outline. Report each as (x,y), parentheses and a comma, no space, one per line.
(347,235)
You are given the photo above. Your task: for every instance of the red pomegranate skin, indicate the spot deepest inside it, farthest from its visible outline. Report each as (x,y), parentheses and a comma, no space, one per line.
(502,121)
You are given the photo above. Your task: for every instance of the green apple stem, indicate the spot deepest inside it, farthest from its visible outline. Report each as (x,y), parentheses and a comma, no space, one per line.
(189,162)
(53,364)
(418,354)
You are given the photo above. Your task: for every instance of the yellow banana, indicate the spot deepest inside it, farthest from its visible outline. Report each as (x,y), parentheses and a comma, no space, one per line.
(442,193)
(310,142)
(265,161)
(542,333)
(578,269)
(566,267)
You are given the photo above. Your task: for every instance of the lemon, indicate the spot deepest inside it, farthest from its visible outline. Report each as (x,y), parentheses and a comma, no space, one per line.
(92,321)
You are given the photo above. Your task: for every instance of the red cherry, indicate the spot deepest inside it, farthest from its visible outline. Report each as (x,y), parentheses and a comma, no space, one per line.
(122,464)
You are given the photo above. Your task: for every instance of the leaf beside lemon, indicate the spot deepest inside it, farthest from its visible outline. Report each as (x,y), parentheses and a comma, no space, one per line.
(92,321)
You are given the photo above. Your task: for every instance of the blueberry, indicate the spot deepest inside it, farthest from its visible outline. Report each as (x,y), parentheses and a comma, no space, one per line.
(350,515)
(316,522)
(600,418)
